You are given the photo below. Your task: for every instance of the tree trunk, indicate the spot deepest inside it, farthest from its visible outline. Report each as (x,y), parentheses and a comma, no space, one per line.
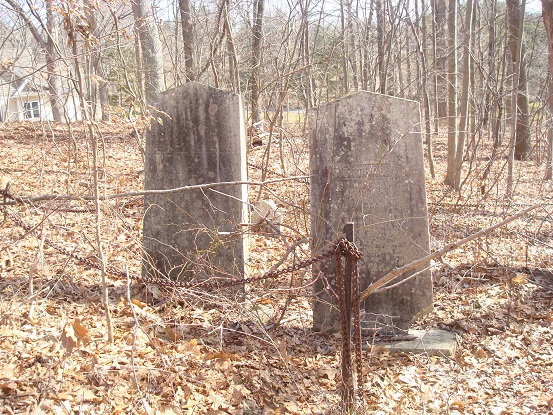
(520,108)
(99,85)
(491,62)
(308,84)
(351,46)
(54,80)
(380,45)
(452,93)
(463,121)
(257,37)
(547,14)
(424,88)
(187,39)
(344,41)
(366,50)
(151,49)
(523,143)
(231,51)
(516,54)
(440,55)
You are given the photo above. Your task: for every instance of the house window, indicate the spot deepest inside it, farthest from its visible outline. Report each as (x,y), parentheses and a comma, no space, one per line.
(31,110)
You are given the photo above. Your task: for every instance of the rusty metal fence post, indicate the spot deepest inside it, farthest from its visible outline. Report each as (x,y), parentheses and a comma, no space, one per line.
(348,303)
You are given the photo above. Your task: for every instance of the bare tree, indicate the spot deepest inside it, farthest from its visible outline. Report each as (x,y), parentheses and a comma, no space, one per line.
(380,19)
(309,83)
(491,60)
(423,79)
(187,38)
(234,73)
(439,37)
(424,88)
(520,109)
(351,44)
(463,124)
(48,43)
(516,16)
(452,92)
(150,48)
(344,43)
(257,37)
(547,14)
(99,87)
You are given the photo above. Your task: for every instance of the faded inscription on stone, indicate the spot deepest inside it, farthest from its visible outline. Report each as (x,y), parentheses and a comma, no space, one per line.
(367,166)
(196,234)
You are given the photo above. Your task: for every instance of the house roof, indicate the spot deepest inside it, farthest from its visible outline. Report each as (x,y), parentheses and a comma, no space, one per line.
(14,83)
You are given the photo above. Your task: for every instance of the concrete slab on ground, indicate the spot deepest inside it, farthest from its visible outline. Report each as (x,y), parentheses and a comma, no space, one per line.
(434,342)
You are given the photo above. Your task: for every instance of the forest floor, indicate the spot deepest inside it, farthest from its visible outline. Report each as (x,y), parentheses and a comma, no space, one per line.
(183,352)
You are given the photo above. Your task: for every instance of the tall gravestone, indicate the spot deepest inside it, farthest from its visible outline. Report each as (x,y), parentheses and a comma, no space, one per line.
(367,166)
(196,233)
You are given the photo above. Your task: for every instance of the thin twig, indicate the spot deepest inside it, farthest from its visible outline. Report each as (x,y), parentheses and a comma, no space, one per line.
(18,200)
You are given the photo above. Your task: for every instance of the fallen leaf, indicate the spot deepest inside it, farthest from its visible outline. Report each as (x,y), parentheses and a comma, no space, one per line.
(222,355)
(69,339)
(8,387)
(81,332)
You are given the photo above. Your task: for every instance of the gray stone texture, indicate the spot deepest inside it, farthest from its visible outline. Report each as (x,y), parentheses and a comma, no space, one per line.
(198,233)
(433,342)
(367,166)
(267,216)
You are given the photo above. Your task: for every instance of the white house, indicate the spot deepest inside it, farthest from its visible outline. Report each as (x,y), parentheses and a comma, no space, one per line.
(23,98)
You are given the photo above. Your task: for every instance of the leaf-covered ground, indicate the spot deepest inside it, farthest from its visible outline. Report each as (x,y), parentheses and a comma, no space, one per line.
(185,352)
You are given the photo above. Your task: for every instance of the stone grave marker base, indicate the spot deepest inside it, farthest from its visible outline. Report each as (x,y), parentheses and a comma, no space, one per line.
(434,342)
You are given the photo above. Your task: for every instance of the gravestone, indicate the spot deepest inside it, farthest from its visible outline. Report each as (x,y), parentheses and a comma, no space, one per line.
(367,167)
(196,233)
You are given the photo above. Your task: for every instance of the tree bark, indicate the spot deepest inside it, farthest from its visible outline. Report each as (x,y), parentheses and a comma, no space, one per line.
(352,45)
(452,92)
(463,121)
(439,14)
(491,81)
(234,74)
(380,45)
(521,109)
(547,14)
(308,84)
(344,41)
(54,80)
(187,38)
(257,37)
(516,56)
(151,49)
(99,85)
(426,100)
(366,72)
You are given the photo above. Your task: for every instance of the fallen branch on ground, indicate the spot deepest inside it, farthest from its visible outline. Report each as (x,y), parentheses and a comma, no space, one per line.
(392,275)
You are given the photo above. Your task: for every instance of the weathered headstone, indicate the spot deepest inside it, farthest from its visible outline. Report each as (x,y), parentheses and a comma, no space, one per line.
(197,233)
(367,166)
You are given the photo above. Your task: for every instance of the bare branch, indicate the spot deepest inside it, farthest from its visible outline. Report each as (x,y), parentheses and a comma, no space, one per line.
(421,261)
(19,200)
